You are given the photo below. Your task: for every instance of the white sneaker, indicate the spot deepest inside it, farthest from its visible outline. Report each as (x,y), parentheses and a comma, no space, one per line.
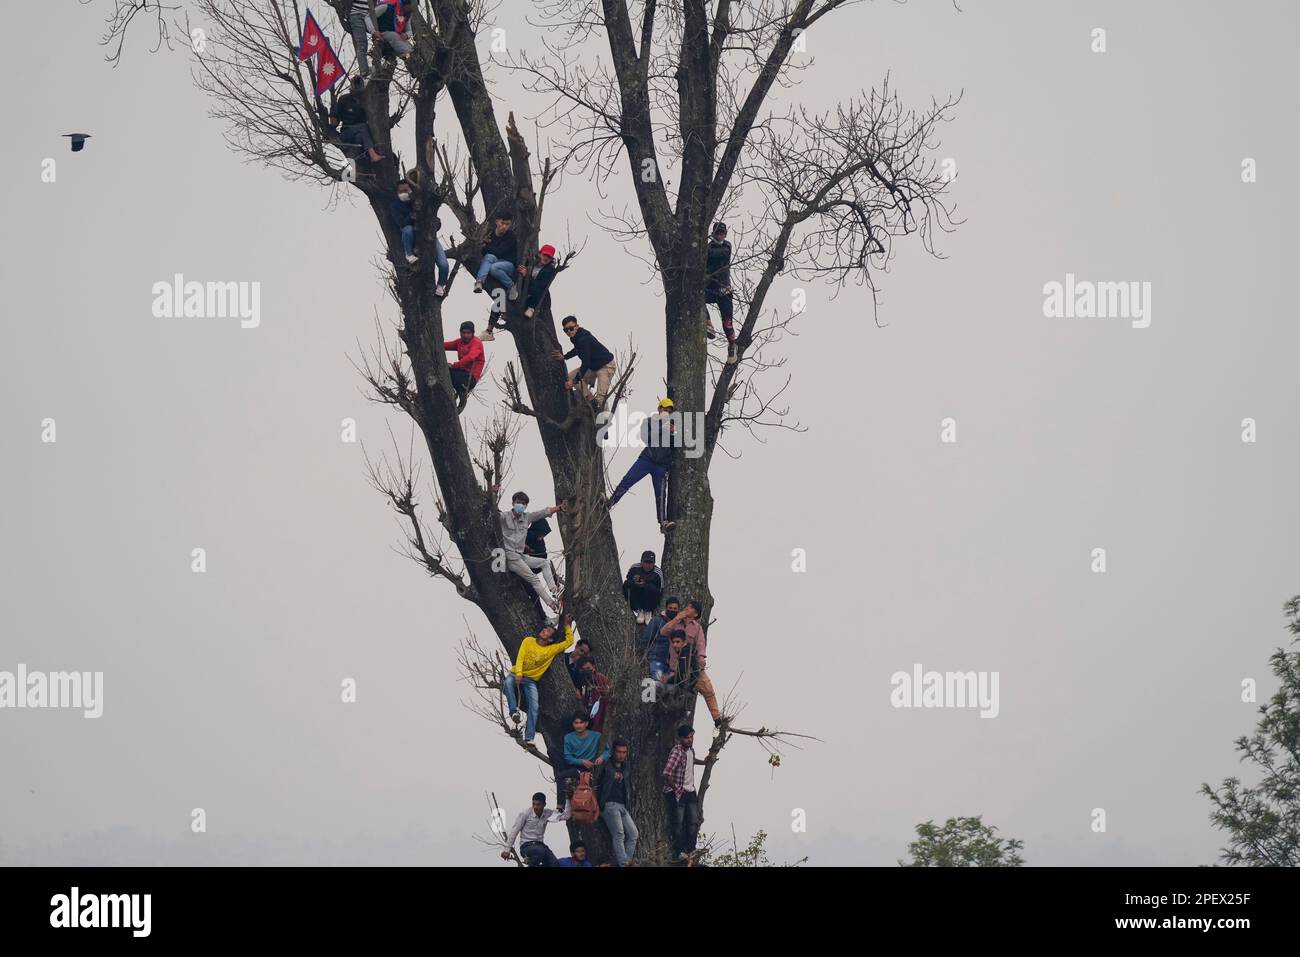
(478,287)
(412,258)
(487,336)
(528,742)
(513,294)
(440,291)
(528,313)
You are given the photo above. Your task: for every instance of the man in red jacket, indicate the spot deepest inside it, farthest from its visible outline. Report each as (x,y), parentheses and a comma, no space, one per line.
(467,368)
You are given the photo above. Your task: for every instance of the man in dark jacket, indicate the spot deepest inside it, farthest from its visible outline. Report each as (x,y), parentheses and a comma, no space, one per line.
(654,643)
(612,793)
(643,587)
(349,114)
(596,363)
(539,285)
(660,437)
(402,213)
(500,253)
(717,285)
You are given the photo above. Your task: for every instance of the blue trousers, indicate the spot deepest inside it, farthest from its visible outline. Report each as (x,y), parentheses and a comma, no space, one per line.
(658,478)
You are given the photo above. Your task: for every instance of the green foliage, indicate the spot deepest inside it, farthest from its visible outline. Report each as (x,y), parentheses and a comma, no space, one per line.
(962,842)
(1263,822)
(755,855)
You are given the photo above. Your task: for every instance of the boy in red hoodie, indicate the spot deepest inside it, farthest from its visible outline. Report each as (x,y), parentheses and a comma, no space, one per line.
(467,368)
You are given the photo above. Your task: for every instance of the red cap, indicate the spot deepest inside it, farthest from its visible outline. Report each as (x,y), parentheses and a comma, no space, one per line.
(547,250)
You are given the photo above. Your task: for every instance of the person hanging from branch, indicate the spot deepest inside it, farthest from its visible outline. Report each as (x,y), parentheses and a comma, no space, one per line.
(348,114)
(595,367)
(514,524)
(539,281)
(465,373)
(659,433)
(717,286)
(531,662)
(531,826)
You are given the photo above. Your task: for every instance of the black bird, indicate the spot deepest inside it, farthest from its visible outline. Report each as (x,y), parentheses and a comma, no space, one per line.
(78,140)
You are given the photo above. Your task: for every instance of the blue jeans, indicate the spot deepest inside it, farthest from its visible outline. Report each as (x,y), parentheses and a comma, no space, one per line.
(408,239)
(622,829)
(500,270)
(658,478)
(530,702)
(440,257)
(360,40)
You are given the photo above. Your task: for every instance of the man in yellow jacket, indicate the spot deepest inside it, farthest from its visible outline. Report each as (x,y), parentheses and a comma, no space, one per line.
(535,656)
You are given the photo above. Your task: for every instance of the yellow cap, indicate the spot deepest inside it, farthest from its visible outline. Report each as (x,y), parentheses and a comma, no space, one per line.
(666,404)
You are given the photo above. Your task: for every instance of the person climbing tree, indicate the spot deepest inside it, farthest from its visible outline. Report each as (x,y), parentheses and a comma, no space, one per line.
(679,793)
(717,288)
(581,753)
(349,114)
(402,213)
(581,650)
(500,253)
(643,587)
(594,693)
(659,433)
(533,659)
(688,622)
(654,643)
(394,42)
(612,792)
(577,856)
(531,825)
(539,282)
(514,525)
(595,363)
(465,373)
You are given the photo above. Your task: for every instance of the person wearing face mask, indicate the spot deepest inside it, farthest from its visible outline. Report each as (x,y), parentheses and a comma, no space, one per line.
(402,212)
(467,368)
(514,525)
(694,646)
(659,433)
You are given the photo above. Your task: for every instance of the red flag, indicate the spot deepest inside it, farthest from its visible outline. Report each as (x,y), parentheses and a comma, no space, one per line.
(328,69)
(313,39)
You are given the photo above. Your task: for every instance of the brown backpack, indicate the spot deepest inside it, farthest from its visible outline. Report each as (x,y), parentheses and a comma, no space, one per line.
(583,807)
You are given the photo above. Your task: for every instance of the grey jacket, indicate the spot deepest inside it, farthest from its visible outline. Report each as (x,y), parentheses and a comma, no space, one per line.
(514,528)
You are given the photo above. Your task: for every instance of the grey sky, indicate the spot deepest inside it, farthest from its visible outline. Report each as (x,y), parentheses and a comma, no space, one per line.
(1118,691)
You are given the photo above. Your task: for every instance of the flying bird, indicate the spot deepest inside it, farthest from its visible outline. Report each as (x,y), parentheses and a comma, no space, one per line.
(78,140)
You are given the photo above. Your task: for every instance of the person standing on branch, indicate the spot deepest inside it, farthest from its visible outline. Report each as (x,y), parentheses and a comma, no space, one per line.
(659,434)
(717,286)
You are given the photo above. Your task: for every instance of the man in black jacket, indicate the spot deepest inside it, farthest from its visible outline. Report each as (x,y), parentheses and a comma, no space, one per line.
(643,587)
(500,253)
(596,362)
(717,285)
(349,110)
(612,793)
(659,434)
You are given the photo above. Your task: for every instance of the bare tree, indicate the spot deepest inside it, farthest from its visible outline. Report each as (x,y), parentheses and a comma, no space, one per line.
(683,98)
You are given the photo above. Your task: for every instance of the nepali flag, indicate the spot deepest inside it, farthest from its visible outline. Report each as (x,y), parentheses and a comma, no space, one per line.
(313,39)
(328,70)
(314,43)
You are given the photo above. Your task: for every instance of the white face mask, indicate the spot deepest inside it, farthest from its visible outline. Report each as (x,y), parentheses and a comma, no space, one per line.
(404,197)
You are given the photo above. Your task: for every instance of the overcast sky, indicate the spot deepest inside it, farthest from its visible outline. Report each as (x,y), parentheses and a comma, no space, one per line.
(1119,691)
